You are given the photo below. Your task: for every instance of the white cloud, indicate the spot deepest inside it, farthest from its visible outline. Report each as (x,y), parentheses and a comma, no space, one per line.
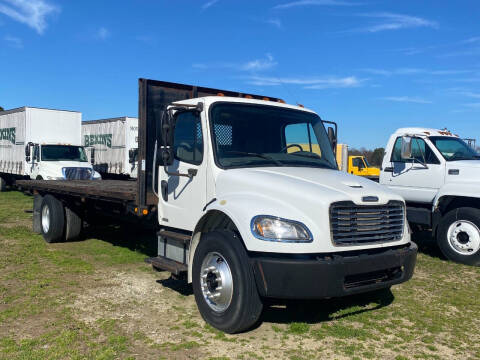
(391,21)
(259,64)
(471,40)
(413,71)
(473,105)
(30,12)
(275,22)
(13,41)
(209,4)
(406,99)
(102,34)
(308,83)
(252,66)
(313,3)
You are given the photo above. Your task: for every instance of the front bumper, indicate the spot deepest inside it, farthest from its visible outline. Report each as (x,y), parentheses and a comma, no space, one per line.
(333,275)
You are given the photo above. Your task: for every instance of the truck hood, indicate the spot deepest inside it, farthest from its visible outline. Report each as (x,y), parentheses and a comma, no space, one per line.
(468,171)
(295,184)
(299,194)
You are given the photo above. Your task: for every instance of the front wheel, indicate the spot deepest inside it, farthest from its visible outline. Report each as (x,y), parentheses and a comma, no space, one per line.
(458,235)
(224,284)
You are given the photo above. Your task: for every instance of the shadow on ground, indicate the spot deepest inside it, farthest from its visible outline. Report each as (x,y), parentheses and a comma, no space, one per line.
(316,311)
(427,244)
(131,236)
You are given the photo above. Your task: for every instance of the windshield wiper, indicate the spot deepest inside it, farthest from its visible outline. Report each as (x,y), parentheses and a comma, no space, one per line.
(263,156)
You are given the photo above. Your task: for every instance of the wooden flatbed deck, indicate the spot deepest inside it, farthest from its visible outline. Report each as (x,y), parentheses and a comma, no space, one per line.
(110,190)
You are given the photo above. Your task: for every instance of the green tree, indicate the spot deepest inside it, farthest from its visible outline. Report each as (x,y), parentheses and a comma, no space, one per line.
(376,157)
(1,108)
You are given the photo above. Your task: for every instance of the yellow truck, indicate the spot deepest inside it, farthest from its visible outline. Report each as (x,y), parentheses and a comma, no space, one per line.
(355,164)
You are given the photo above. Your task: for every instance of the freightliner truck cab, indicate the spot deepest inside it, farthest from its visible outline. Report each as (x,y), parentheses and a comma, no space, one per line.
(264,217)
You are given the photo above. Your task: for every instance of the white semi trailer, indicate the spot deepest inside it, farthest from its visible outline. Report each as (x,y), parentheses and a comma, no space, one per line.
(239,207)
(41,144)
(112,145)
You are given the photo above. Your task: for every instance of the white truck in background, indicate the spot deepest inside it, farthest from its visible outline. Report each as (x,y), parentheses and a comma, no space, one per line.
(239,207)
(112,145)
(41,144)
(438,175)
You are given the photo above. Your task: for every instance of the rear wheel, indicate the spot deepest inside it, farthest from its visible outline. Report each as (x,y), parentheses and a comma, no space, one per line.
(52,219)
(3,185)
(73,225)
(223,283)
(458,235)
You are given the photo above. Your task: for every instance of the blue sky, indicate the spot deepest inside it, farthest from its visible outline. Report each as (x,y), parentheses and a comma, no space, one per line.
(371,66)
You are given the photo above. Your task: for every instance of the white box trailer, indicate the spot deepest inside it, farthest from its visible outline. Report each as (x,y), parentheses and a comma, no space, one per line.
(112,145)
(41,143)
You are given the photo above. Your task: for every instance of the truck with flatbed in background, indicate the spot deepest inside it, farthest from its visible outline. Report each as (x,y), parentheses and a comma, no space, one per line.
(39,143)
(236,211)
(438,175)
(111,146)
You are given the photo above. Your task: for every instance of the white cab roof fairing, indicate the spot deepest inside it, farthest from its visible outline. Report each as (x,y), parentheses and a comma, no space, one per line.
(418,131)
(209,100)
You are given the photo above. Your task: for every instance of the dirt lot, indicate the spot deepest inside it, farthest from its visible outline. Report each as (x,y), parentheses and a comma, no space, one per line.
(97,299)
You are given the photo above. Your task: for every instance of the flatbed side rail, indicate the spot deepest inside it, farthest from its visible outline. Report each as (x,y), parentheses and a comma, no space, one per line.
(107,190)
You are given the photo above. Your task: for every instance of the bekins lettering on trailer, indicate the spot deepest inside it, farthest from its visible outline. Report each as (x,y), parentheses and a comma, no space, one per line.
(8,134)
(98,139)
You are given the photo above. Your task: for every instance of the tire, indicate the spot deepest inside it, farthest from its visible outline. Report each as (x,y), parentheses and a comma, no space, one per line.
(73,225)
(245,306)
(3,185)
(52,219)
(39,178)
(458,236)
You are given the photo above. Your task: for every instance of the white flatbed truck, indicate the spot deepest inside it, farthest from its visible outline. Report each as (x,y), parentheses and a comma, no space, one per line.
(438,175)
(238,211)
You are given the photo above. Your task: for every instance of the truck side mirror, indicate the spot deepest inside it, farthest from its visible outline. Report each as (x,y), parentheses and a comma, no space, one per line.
(406,153)
(167,155)
(332,138)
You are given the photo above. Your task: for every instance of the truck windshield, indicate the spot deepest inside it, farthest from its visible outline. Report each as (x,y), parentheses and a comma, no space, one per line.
(63,153)
(246,135)
(454,148)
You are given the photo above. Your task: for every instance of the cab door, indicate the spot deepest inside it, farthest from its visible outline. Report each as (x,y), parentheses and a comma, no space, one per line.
(417,179)
(183,197)
(34,164)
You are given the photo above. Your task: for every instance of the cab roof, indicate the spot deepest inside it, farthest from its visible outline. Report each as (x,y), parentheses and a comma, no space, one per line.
(424,132)
(209,100)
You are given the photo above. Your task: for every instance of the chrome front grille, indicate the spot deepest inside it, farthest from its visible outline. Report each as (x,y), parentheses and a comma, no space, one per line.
(366,224)
(74,173)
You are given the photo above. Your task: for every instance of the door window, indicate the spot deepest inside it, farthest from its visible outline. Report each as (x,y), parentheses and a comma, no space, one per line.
(36,154)
(358,162)
(421,152)
(188,138)
(301,134)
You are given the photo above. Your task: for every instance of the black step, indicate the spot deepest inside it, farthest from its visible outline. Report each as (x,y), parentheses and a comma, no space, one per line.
(163,263)
(175,235)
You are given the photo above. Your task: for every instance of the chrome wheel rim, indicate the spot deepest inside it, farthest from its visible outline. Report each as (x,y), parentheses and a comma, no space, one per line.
(45,219)
(216,282)
(464,237)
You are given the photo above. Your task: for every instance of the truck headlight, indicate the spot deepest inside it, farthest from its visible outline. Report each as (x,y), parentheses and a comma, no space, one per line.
(271,228)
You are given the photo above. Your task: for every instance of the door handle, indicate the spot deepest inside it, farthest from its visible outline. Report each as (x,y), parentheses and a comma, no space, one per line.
(388,169)
(164,190)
